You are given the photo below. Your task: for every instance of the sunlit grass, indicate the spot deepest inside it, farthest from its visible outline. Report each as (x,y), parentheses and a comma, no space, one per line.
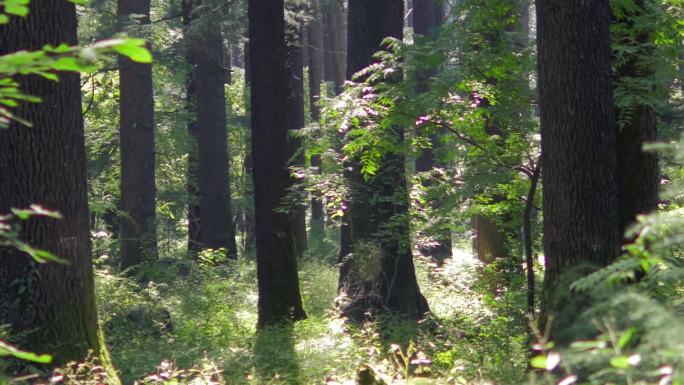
(213,313)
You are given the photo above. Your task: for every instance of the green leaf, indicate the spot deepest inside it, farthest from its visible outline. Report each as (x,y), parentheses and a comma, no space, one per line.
(15,7)
(619,362)
(4,19)
(135,50)
(9,350)
(67,64)
(538,362)
(626,337)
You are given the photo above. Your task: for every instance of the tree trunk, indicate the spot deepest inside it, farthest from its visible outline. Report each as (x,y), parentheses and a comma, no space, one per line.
(378,274)
(638,171)
(581,217)
(296,121)
(214,227)
(50,306)
(426,18)
(193,163)
(138,188)
(279,295)
(315,43)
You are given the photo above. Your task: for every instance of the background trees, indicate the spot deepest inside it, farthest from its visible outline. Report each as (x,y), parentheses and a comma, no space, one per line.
(211,224)
(137,131)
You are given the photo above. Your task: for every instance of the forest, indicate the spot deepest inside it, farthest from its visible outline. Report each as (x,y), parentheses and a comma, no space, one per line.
(341,192)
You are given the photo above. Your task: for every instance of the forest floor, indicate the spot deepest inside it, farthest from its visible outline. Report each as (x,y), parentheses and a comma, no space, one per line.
(200,321)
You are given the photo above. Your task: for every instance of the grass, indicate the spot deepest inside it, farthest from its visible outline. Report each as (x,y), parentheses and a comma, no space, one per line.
(213,317)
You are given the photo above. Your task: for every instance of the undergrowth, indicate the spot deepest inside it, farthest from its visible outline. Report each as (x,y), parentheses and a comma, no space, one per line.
(204,315)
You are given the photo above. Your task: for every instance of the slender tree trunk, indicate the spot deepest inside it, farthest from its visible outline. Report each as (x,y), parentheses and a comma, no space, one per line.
(314,47)
(581,217)
(378,274)
(192,188)
(50,306)
(214,227)
(279,295)
(296,121)
(426,18)
(138,188)
(527,235)
(638,171)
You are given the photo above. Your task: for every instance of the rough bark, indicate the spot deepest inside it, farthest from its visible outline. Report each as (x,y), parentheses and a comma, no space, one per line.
(296,121)
(278,281)
(214,226)
(52,306)
(377,274)
(638,171)
(138,187)
(581,217)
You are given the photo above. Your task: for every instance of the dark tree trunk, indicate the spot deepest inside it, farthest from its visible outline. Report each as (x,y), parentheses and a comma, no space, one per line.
(638,171)
(296,121)
(581,217)
(314,47)
(138,188)
(193,162)
(51,306)
(279,295)
(214,227)
(378,274)
(426,18)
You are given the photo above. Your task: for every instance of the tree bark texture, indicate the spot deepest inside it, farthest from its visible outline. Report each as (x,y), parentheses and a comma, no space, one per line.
(214,225)
(378,274)
(581,217)
(51,305)
(138,187)
(278,281)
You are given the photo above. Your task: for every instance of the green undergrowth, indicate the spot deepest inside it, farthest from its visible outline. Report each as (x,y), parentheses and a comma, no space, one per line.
(203,316)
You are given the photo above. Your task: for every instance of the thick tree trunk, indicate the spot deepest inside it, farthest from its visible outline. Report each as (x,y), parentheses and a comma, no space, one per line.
(51,306)
(315,72)
(638,171)
(138,188)
(378,274)
(214,227)
(426,18)
(581,217)
(296,121)
(279,295)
